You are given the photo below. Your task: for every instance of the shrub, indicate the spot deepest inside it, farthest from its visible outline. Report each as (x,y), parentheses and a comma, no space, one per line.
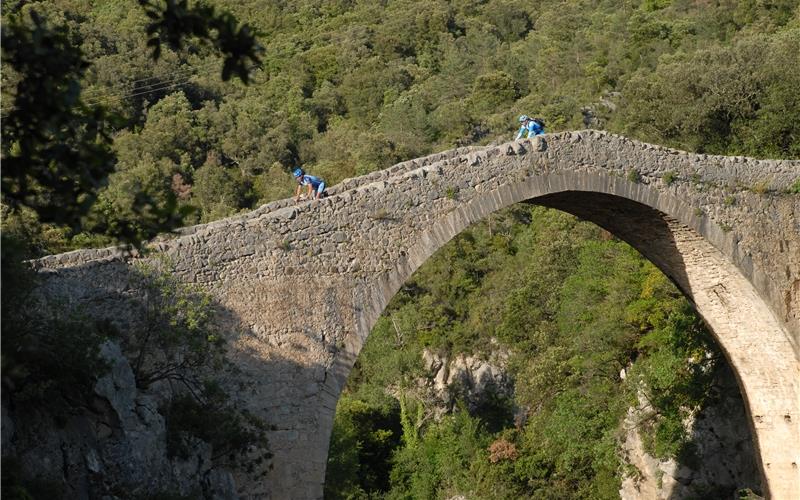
(502,449)
(175,335)
(761,187)
(492,91)
(365,436)
(209,416)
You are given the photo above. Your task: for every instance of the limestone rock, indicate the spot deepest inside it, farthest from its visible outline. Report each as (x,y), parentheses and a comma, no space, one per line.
(469,376)
(119,445)
(723,444)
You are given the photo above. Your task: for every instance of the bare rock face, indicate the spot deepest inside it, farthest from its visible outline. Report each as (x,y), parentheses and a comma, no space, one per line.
(117,448)
(724,458)
(470,376)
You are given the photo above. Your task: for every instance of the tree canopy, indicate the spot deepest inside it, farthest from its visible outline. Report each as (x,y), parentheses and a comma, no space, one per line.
(345,88)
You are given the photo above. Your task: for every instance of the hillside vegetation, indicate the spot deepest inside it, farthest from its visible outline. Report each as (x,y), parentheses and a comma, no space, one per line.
(348,87)
(575,307)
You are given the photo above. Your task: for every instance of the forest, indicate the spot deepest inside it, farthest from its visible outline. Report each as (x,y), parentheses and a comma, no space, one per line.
(133,139)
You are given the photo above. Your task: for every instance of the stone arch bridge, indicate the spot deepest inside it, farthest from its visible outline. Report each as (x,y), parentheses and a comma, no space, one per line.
(303,284)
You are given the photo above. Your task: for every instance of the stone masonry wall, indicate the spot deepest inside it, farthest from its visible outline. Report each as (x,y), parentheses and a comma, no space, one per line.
(302,285)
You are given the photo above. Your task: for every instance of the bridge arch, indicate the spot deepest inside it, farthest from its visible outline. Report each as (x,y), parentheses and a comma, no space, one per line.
(703,261)
(304,283)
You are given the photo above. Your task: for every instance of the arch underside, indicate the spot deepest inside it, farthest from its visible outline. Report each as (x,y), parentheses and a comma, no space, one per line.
(255,264)
(751,338)
(756,344)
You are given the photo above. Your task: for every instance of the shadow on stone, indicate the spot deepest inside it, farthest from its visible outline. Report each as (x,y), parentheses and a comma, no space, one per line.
(120,440)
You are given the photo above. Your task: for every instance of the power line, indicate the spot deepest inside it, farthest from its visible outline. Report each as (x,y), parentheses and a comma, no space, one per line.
(188,69)
(110,99)
(156,87)
(181,77)
(150,88)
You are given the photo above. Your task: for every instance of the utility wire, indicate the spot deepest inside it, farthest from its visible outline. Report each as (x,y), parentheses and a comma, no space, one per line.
(156,87)
(110,99)
(175,79)
(146,88)
(202,67)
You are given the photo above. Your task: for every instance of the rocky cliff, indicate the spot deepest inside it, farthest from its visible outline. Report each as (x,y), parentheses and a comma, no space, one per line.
(721,460)
(115,448)
(470,377)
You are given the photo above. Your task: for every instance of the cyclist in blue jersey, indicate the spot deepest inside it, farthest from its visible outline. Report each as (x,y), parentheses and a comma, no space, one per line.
(533,126)
(315,184)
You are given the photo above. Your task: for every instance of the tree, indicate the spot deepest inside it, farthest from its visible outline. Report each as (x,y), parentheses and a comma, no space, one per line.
(56,150)
(175,21)
(176,337)
(217,190)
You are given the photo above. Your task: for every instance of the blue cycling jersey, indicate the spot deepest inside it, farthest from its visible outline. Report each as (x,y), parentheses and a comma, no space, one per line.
(314,181)
(532,128)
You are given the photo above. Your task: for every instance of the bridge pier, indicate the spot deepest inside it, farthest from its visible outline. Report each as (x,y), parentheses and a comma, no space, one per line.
(303,285)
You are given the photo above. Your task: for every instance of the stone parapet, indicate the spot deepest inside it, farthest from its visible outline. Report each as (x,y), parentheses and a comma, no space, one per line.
(303,284)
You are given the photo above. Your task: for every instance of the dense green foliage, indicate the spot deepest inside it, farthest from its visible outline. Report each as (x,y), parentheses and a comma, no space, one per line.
(176,20)
(348,87)
(576,307)
(56,144)
(48,133)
